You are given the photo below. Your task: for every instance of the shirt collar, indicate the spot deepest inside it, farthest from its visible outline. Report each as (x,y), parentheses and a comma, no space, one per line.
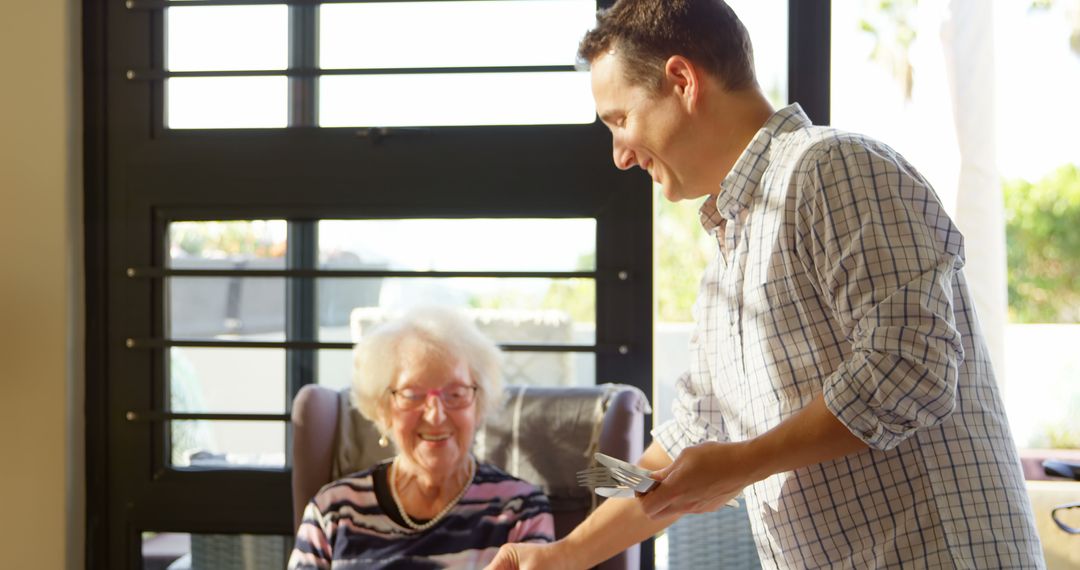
(741,184)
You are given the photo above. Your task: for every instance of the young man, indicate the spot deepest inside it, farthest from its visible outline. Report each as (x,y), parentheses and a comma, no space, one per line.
(839,377)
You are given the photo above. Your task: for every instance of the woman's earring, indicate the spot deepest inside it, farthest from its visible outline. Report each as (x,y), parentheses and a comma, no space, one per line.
(384,441)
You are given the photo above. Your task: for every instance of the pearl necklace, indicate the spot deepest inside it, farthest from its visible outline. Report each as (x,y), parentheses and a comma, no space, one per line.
(438,516)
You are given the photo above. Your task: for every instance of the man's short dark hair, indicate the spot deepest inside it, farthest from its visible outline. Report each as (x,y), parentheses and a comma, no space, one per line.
(647,32)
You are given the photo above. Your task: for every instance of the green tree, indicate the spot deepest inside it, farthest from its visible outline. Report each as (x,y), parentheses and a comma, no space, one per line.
(226,239)
(1043,244)
(575,296)
(682,250)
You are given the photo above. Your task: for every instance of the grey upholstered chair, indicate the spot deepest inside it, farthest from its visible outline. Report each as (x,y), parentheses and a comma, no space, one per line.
(543,435)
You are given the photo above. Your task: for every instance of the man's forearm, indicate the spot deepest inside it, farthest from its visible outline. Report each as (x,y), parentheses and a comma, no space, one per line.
(616,525)
(813,435)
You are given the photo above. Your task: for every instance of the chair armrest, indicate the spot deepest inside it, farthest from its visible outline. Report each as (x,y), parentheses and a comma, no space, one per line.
(314,420)
(1067,469)
(623,432)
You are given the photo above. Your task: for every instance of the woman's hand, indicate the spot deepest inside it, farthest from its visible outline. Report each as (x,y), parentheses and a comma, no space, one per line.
(702,479)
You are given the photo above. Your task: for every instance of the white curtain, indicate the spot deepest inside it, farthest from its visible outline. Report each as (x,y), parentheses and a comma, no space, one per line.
(968,41)
(953,89)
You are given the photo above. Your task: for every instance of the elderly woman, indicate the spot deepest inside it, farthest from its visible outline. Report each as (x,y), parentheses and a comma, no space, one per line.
(426,381)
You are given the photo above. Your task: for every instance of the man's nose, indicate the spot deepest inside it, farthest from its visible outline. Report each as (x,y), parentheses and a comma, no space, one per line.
(624,157)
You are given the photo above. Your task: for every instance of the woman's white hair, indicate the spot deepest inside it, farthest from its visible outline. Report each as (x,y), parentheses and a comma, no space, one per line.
(447,333)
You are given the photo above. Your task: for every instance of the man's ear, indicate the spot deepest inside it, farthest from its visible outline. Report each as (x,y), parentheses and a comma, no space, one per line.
(684,78)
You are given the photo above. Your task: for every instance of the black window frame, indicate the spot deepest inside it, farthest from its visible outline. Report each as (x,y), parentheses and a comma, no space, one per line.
(138,176)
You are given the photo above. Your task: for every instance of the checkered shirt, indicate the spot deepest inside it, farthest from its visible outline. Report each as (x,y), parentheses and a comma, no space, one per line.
(838,272)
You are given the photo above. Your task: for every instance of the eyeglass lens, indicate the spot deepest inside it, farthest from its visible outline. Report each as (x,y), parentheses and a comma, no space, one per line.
(453,397)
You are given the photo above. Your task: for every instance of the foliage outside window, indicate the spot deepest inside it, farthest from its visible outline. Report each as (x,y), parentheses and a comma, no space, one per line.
(890,23)
(682,251)
(229,239)
(1043,238)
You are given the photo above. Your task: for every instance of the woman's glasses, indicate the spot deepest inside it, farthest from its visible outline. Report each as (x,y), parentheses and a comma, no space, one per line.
(452,397)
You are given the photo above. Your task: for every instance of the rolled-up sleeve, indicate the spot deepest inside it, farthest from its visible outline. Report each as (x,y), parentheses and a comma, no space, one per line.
(887,273)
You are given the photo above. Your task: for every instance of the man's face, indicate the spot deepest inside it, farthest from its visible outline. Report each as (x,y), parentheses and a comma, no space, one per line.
(648,130)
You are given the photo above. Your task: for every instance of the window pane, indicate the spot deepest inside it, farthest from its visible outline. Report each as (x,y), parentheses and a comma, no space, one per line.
(550,369)
(248,308)
(871,48)
(461,244)
(222,444)
(532,368)
(226,102)
(228,244)
(233,308)
(766,21)
(227,380)
(533,310)
(335,368)
(183,551)
(217,38)
(453,34)
(456,99)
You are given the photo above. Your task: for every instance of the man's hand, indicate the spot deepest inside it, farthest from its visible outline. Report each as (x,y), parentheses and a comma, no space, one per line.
(526,556)
(702,479)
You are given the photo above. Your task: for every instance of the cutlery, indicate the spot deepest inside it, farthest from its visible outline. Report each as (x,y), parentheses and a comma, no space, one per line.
(599,477)
(617,478)
(627,473)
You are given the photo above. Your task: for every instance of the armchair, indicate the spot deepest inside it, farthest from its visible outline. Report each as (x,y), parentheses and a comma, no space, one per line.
(543,435)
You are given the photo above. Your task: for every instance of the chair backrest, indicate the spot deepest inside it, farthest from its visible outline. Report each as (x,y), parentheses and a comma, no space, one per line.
(543,435)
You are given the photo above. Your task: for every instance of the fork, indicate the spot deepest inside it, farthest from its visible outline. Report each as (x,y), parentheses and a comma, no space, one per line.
(614,477)
(639,483)
(597,477)
(633,476)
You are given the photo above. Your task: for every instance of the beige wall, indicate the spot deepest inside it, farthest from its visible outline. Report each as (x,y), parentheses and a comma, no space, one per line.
(41,447)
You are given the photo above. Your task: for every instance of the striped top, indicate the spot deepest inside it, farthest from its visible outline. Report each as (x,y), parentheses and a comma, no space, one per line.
(346,525)
(838,273)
